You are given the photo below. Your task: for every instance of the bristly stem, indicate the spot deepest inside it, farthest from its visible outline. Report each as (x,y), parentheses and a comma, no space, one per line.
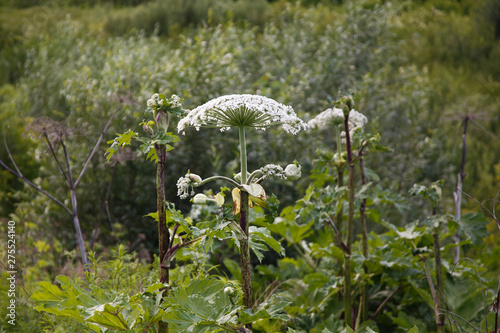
(246,268)
(339,141)
(350,221)
(440,320)
(163,232)
(364,291)
(458,192)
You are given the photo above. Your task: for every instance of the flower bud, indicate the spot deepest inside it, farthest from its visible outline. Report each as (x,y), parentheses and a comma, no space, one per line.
(200,199)
(293,172)
(162,120)
(194,177)
(147,129)
(229,291)
(349,102)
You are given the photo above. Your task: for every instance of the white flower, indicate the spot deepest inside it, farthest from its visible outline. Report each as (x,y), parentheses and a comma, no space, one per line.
(356,119)
(242,111)
(151,103)
(183,186)
(332,116)
(273,170)
(293,172)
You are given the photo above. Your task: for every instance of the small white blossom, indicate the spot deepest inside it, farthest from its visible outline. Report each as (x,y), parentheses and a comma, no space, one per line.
(273,170)
(151,103)
(175,101)
(329,117)
(242,111)
(184,184)
(357,119)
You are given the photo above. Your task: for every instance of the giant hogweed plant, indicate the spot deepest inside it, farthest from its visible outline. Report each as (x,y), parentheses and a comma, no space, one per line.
(348,124)
(243,112)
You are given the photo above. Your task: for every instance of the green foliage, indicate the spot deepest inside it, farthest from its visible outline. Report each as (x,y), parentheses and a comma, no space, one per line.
(417,69)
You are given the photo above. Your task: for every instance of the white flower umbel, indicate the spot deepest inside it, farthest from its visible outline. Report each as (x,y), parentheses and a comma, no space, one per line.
(242,111)
(273,170)
(184,184)
(357,120)
(329,117)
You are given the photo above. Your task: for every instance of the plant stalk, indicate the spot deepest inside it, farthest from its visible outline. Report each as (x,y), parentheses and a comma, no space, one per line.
(458,192)
(246,268)
(163,232)
(348,297)
(364,291)
(440,320)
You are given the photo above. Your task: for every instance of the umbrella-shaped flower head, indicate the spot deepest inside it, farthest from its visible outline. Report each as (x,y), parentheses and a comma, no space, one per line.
(325,119)
(242,111)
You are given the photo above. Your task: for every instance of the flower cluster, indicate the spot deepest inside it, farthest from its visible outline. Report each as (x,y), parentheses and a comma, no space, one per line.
(292,171)
(273,170)
(332,116)
(186,183)
(242,111)
(158,101)
(357,120)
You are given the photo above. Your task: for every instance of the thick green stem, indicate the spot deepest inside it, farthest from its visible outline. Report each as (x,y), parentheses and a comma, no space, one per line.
(339,142)
(246,268)
(364,291)
(163,232)
(348,297)
(440,320)
(243,155)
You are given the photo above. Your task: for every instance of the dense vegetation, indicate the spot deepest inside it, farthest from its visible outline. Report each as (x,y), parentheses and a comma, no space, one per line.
(419,70)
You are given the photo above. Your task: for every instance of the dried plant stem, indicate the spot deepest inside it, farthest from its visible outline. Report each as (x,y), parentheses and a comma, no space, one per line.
(163,232)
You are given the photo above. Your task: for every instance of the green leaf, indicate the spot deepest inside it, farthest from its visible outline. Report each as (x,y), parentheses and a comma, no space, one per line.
(202,306)
(260,236)
(474,226)
(347,330)
(120,141)
(414,329)
(273,309)
(108,316)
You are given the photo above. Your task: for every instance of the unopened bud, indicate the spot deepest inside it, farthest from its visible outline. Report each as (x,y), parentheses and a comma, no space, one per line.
(162,120)
(200,199)
(194,178)
(147,129)
(293,172)
(229,291)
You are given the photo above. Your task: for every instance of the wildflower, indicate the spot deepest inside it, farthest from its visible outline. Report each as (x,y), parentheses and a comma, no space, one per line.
(357,119)
(242,111)
(183,186)
(273,170)
(332,116)
(151,103)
